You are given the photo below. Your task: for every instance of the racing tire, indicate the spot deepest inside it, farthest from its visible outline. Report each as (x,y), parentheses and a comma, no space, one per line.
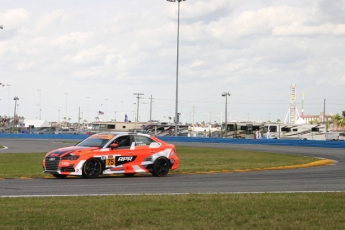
(59,176)
(161,167)
(92,168)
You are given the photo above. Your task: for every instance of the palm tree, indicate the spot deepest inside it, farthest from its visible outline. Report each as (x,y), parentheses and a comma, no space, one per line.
(315,121)
(339,121)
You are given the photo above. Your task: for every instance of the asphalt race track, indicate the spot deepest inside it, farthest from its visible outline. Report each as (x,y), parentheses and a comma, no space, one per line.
(315,179)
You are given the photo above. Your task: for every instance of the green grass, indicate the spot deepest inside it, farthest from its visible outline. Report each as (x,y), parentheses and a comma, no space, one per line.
(191,160)
(194,211)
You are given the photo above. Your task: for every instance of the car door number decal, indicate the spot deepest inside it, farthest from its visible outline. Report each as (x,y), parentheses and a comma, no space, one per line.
(110,162)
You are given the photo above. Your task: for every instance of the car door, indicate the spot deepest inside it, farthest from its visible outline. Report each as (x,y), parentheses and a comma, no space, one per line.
(142,146)
(122,155)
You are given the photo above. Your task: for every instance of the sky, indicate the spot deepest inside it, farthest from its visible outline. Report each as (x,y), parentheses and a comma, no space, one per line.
(63,58)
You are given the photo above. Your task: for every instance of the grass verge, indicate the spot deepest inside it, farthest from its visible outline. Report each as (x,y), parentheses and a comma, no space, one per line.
(191,160)
(194,211)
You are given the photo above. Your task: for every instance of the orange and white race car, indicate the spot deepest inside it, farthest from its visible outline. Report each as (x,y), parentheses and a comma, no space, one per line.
(111,153)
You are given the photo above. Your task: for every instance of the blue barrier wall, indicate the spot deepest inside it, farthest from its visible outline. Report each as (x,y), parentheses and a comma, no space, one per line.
(282,142)
(43,136)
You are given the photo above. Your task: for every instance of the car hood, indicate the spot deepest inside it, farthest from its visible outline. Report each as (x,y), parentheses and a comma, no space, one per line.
(77,150)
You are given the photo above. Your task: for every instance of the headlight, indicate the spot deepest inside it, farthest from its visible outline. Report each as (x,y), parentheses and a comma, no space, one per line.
(70,157)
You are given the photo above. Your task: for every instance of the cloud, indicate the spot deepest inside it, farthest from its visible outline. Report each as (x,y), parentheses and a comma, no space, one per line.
(296,29)
(87,55)
(263,21)
(50,21)
(15,19)
(73,38)
(339,29)
(332,11)
(24,65)
(245,47)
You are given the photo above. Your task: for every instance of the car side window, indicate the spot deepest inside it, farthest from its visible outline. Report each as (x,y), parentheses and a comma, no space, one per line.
(123,141)
(142,140)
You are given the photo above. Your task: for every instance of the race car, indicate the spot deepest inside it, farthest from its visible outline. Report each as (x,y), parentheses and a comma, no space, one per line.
(112,153)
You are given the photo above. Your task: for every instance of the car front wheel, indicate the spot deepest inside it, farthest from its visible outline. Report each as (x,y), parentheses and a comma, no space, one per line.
(91,169)
(161,167)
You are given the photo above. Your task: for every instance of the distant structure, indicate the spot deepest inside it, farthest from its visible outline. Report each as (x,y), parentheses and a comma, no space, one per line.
(302,110)
(292,104)
(292,116)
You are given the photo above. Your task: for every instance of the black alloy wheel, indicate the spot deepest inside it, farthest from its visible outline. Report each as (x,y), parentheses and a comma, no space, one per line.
(161,167)
(92,168)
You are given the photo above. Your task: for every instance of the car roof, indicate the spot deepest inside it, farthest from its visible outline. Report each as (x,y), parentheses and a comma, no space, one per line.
(123,133)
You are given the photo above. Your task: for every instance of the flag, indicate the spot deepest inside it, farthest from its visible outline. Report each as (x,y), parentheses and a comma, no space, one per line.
(100,113)
(126,118)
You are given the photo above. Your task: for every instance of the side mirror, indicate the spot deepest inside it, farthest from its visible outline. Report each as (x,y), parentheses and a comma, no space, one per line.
(114,146)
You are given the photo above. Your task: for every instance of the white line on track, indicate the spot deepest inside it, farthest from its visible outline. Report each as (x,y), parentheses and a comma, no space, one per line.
(5,147)
(164,194)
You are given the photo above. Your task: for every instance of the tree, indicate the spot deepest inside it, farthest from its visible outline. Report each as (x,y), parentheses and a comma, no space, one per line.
(315,121)
(278,120)
(339,121)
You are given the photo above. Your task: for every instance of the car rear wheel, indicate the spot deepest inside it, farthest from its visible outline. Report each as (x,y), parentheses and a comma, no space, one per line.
(92,168)
(161,167)
(59,176)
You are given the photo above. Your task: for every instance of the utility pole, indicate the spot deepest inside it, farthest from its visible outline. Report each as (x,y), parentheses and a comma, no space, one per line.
(324,110)
(138,96)
(193,115)
(151,108)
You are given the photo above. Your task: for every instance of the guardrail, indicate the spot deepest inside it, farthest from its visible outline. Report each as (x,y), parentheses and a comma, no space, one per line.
(282,142)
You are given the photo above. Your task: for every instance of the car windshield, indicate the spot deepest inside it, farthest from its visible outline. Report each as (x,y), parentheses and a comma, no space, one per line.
(96,140)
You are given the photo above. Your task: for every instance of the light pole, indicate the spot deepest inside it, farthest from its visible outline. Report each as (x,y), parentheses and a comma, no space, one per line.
(106,109)
(177,63)
(2,86)
(88,103)
(138,96)
(122,110)
(66,105)
(9,96)
(39,103)
(14,115)
(134,112)
(226,114)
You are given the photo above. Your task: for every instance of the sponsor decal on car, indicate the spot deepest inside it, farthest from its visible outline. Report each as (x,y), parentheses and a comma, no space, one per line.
(118,160)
